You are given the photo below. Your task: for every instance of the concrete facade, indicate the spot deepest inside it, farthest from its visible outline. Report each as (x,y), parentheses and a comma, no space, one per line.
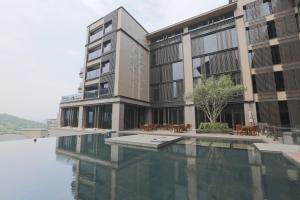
(131,77)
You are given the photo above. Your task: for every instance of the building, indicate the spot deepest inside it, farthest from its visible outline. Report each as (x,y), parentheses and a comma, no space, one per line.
(131,77)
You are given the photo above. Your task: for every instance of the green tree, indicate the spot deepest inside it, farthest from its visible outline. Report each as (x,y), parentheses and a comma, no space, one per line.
(213,94)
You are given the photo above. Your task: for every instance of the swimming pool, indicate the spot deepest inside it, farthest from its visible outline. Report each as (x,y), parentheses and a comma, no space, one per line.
(84,167)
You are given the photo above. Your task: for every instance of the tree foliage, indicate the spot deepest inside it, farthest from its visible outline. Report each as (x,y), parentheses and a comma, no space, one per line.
(213,94)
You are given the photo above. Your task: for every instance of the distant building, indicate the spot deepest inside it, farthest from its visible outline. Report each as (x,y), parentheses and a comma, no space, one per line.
(131,77)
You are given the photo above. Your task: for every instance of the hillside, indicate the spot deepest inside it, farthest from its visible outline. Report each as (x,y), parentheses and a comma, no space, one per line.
(11,124)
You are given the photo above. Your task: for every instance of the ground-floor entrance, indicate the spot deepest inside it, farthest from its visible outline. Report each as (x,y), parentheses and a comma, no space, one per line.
(171,115)
(134,116)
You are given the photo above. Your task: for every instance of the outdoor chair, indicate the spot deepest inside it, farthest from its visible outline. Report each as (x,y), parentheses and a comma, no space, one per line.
(238,129)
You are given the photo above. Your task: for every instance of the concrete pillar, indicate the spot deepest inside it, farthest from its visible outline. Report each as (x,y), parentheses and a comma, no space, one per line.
(191,152)
(81,118)
(189,115)
(116,153)
(149,116)
(60,118)
(187,64)
(118,116)
(78,144)
(250,114)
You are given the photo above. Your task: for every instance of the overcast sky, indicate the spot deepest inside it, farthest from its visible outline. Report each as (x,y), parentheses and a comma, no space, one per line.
(42,45)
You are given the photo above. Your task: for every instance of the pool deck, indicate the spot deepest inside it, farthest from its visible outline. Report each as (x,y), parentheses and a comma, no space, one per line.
(193,134)
(147,141)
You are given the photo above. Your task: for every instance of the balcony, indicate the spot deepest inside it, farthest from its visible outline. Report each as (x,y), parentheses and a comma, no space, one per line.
(95,54)
(70,98)
(93,74)
(91,94)
(103,91)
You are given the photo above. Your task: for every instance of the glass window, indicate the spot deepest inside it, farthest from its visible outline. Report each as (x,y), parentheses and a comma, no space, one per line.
(175,93)
(104,85)
(210,43)
(196,68)
(279,81)
(207,65)
(106,46)
(105,67)
(177,69)
(94,53)
(96,34)
(271,29)
(93,74)
(108,27)
(103,88)
(254,84)
(275,55)
(180,51)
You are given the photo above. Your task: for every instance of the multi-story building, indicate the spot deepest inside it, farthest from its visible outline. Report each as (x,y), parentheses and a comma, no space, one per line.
(132,77)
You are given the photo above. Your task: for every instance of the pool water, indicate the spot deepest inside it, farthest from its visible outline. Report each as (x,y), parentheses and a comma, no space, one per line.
(84,167)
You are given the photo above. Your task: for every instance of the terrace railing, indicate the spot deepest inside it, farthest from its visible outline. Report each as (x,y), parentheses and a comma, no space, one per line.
(69,98)
(91,94)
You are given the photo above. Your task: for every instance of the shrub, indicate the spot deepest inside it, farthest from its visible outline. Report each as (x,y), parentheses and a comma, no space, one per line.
(213,126)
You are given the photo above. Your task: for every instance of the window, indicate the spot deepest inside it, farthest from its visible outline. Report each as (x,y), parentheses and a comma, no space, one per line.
(94,53)
(254,84)
(177,69)
(155,93)
(104,85)
(279,81)
(251,56)
(93,74)
(108,27)
(207,65)
(196,68)
(180,51)
(210,43)
(271,29)
(275,55)
(96,34)
(284,113)
(106,46)
(105,67)
(175,94)
(104,88)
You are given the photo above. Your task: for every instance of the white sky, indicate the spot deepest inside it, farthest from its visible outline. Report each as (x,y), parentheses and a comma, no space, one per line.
(42,45)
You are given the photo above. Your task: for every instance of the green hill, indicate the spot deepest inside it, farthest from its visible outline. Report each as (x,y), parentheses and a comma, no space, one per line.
(11,124)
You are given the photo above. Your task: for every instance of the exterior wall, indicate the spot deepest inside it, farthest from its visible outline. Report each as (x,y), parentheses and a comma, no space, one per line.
(132,27)
(133,69)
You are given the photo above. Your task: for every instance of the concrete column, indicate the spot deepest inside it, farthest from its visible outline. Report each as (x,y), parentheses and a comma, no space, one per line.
(113,184)
(78,144)
(250,114)
(116,153)
(118,116)
(81,118)
(192,178)
(189,115)
(187,64)
(60,118)
(149,116)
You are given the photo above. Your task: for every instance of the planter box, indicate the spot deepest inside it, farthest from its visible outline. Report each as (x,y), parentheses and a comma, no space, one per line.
(214,131)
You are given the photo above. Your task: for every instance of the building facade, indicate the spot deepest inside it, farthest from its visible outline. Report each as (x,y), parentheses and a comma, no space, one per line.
(132,77)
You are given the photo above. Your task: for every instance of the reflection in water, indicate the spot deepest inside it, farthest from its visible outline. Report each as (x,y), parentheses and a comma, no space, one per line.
(188,170)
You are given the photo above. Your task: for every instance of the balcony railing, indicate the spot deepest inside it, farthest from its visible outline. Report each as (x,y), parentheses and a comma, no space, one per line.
(93,74)
(96,35)
(103,91)
(91,94)
(69,98)
(94,54)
